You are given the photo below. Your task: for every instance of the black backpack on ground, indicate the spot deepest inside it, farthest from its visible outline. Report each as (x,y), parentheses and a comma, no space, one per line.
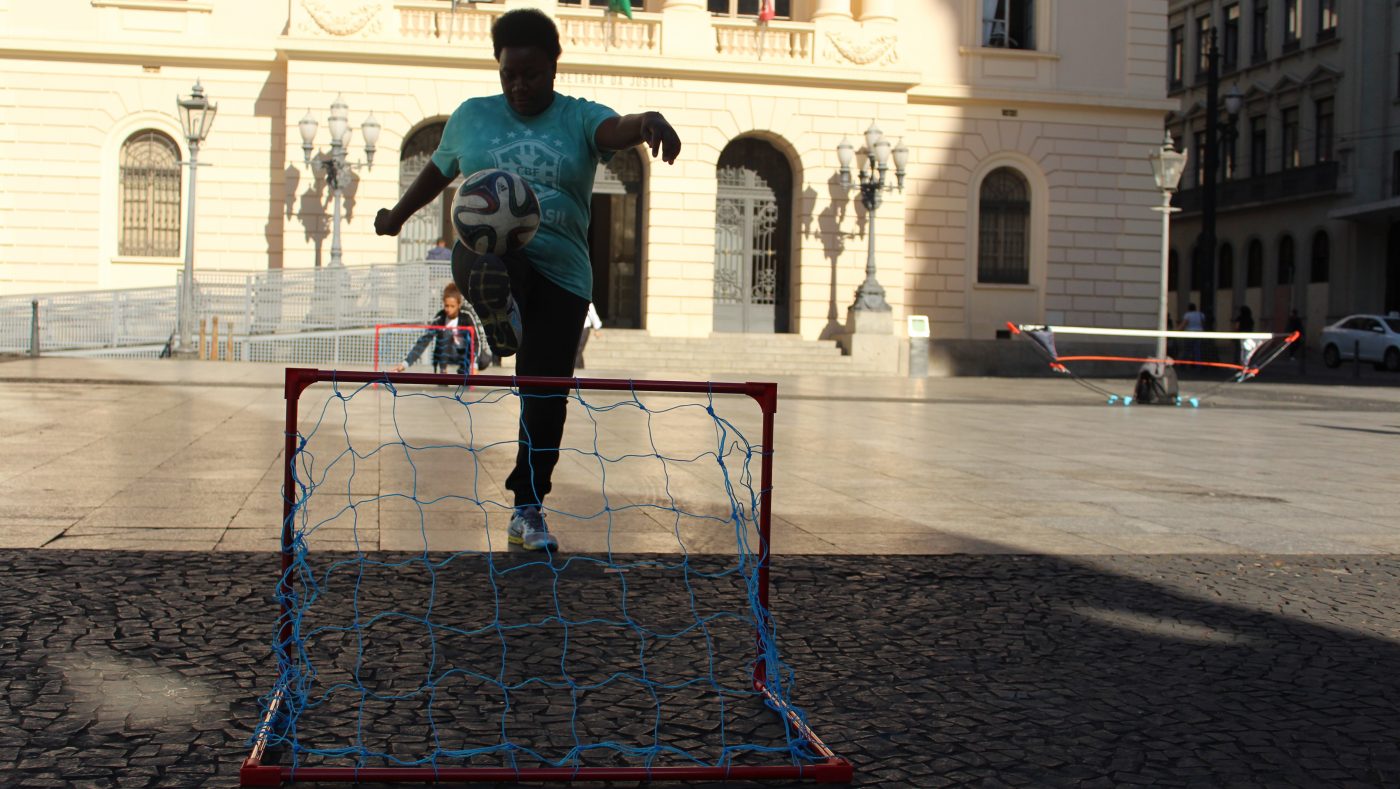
(1158,389)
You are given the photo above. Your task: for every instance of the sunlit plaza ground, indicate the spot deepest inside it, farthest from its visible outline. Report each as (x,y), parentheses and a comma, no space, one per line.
(187,456)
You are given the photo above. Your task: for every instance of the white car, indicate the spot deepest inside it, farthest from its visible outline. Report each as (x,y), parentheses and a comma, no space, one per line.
(1372,338)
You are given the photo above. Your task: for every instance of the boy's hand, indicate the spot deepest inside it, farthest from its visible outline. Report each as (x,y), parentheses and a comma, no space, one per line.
(398,368)
(657,134)
(384,224)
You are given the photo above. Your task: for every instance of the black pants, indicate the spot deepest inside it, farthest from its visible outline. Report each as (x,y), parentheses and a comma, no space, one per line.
(582,343)
(550,317)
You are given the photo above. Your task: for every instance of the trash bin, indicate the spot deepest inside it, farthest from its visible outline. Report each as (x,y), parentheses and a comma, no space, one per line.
(918,346)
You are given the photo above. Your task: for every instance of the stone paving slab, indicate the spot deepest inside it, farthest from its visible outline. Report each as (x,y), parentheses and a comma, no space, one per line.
(878,465)
(138,669)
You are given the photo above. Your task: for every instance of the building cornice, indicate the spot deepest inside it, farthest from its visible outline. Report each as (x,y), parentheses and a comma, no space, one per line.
(143,52)
(969,95)
(179,6)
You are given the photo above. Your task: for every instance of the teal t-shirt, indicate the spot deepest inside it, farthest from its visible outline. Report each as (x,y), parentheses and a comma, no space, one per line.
(555,153)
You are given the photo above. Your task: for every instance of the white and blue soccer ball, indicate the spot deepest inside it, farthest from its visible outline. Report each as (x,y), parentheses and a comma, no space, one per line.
(495,211)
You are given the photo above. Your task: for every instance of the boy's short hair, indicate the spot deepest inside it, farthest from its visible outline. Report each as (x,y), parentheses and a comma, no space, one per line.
(525,27)
(452,292)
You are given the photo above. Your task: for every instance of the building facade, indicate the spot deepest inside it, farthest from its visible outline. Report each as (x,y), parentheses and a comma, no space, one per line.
(1028,195)
(1308,187)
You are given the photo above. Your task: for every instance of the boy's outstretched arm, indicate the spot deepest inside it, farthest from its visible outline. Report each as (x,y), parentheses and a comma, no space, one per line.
(649,128)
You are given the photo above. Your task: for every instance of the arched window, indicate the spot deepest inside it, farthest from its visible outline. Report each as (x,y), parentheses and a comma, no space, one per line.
(1286,263)
(1254,265)
(1321,258)
(1225,267)
(425,227)
(1004,218)
(150,196)
(1173,263)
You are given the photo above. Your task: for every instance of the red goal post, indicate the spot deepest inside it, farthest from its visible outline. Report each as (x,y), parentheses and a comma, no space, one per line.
(381,328)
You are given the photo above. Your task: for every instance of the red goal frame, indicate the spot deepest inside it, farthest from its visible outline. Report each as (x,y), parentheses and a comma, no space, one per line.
(468,328)
(830,769)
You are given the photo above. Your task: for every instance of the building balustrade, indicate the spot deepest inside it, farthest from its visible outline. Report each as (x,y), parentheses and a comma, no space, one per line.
(779,42)
(592,30)
(1293,184)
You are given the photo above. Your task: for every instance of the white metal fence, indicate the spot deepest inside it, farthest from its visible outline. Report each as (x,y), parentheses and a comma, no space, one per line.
(297,316)
(88,320)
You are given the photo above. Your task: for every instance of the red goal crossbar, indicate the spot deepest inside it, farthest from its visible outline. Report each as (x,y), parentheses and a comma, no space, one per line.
(830,769)
(466,327)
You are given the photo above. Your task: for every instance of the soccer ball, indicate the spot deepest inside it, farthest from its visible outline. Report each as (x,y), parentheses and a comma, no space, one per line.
(495,212)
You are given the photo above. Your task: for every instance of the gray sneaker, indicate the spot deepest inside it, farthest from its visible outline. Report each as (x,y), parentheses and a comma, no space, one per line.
(527,529)
(485,282)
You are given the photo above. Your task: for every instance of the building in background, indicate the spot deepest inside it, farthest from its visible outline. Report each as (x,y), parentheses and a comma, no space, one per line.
(1308,189)
(1028,122)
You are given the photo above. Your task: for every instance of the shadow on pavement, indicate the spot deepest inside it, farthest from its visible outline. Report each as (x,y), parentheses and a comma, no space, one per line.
(143,669)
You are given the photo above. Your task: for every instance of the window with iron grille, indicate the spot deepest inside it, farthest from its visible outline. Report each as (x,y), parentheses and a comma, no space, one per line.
(1004,213)
(149,196)
(1225,267)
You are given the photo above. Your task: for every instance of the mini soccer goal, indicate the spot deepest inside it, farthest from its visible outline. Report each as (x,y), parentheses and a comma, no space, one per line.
(1156,380)
(393,342)
(413,644)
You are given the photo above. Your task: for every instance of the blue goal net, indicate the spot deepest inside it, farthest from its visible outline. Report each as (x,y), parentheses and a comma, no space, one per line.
(415,642)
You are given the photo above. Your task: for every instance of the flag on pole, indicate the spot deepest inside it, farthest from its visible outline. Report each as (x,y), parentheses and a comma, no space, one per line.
(766,13)
(620,7)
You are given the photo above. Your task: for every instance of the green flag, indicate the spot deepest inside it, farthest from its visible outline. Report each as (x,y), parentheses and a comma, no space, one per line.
(621,6)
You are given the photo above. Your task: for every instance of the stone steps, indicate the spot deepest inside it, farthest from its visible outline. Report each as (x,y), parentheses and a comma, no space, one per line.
(730,354)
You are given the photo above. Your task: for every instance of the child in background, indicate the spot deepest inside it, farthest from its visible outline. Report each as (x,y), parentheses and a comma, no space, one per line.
(452,345)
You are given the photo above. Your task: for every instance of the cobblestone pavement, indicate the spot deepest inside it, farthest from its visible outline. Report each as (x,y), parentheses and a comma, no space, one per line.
(139,669)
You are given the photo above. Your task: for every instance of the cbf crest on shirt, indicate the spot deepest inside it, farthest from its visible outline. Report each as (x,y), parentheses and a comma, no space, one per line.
(555,152)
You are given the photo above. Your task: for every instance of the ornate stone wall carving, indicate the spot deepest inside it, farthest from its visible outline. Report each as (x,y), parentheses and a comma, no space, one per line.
(341,19)
(862,50)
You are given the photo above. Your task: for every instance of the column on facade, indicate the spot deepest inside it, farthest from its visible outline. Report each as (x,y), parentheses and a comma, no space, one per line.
(686,29)
(546,6)
(877,11)
(828,9)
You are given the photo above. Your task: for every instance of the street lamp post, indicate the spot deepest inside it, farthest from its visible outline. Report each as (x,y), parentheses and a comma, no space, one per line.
(196,119)
(335,163)
(1211,162)
(870,297)
(1167,166)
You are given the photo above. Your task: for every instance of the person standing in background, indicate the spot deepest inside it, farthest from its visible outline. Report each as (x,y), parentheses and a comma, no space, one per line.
(440,251)
(592,325)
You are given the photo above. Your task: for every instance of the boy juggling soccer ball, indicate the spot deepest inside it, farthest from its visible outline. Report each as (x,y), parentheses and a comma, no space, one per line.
(532,301)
